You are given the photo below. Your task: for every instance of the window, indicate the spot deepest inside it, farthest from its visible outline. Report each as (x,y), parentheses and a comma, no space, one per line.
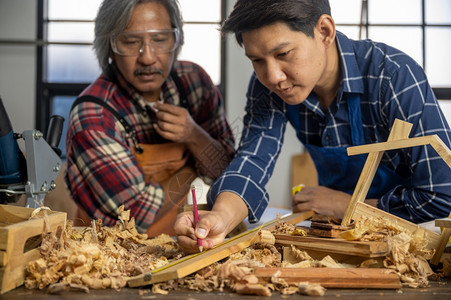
(420,28)
(67,62)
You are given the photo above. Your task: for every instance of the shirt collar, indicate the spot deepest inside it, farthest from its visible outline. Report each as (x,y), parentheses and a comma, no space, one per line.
(352,81)
(351,76)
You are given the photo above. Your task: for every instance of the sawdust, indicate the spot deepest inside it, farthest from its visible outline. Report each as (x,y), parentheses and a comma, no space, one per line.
(98,256)
(408,253)
(106,257)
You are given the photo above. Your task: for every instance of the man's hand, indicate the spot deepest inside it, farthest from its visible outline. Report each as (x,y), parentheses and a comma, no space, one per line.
(213,226)
(322,200)
(174,123)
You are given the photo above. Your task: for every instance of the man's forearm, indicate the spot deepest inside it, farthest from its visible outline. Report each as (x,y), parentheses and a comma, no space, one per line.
(232,208)
(211,156)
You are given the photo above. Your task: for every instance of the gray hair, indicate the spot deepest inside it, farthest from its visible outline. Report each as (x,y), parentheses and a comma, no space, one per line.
(113,17)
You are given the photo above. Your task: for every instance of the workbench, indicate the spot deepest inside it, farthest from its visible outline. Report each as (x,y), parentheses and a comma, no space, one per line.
(437,290)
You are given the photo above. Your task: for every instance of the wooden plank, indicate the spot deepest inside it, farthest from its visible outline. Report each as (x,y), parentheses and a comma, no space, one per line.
(195,262)
(400,130)
(441,149)
(11,214)
(433,140)
(360,278)
(445,222)
(335,245)
(364,210)
(390,145)
(444,239)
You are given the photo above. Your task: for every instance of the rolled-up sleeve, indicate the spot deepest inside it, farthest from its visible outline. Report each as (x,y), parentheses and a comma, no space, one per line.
(260,145)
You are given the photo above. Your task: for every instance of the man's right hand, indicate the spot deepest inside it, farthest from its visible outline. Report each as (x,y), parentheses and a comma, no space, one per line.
(213,226)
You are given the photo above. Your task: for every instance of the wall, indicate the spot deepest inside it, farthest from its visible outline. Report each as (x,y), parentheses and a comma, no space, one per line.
(17,63)
(17,87)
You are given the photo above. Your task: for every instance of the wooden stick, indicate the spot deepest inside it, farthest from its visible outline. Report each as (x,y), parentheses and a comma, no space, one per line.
(400,130)
(444,238)
(374,278)
(195,262)
(433,140)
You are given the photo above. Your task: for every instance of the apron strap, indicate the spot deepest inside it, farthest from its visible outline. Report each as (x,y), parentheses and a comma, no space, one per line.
(355,119)
(293,117)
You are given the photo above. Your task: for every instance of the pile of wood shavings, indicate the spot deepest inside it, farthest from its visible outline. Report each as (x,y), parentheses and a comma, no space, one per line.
(97,257)
(408,253)
(235,274)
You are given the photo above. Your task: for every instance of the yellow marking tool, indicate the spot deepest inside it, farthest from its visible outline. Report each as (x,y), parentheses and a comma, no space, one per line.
(297,189)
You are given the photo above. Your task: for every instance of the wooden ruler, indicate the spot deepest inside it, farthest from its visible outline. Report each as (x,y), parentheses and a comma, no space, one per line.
(195,262)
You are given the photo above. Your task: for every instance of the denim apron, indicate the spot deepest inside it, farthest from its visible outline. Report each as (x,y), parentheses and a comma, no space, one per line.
(337,170)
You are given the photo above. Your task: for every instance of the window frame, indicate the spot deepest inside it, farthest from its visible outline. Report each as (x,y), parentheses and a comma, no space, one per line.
(440,93)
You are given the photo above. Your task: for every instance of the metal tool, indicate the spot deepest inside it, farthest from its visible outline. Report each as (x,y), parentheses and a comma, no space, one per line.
(36,174)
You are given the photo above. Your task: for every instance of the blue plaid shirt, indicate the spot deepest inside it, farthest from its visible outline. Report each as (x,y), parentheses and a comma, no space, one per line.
(391,86)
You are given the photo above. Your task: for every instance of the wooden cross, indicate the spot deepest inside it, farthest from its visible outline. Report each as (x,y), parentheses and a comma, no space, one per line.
(398,139)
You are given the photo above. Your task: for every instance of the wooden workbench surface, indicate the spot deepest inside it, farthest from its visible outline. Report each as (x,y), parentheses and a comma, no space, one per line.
(437,290)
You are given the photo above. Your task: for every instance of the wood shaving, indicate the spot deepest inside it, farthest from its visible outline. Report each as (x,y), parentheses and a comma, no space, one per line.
(282,227)
(311,289)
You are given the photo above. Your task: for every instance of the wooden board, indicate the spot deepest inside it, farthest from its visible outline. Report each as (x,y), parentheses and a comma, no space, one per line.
(303,170)
(433,140)
(360,278)
(335,245)
(195,262)
(20,240)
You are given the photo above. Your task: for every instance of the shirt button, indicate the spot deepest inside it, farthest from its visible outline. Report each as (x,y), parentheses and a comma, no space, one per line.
(326,138)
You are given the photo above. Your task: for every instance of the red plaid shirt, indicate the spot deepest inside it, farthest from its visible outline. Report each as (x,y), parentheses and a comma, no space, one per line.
(102,172)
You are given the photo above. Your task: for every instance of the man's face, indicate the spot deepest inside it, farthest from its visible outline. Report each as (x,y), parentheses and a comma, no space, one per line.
(287,62)
(147,70)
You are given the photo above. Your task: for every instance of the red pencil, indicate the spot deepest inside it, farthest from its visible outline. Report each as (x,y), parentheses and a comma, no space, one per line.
(196,216)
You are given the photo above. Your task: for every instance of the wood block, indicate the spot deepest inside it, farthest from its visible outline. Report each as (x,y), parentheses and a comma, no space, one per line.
(373,278)
(20,240)
(290,257)
(445,222)
(335,245)
(326,226)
